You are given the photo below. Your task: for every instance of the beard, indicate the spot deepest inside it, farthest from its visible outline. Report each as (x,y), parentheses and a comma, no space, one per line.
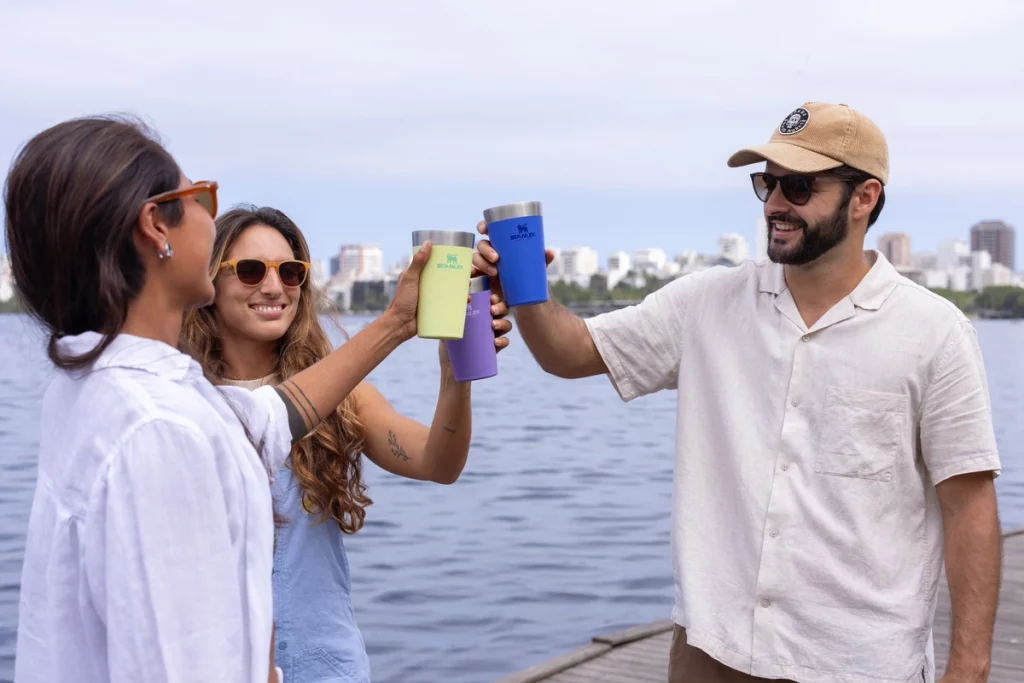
(814,241)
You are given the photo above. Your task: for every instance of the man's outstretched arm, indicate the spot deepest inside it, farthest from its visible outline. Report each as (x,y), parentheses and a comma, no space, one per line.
(558,338)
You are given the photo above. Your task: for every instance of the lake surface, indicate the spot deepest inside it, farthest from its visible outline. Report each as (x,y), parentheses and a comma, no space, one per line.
(557,530)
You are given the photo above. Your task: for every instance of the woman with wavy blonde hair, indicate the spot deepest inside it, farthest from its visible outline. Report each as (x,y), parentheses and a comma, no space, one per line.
(263,327)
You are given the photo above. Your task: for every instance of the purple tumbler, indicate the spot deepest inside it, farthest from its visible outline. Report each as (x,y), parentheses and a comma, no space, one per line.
(474,356)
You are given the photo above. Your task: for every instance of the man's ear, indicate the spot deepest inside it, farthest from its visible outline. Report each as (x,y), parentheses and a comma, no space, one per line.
(865,198)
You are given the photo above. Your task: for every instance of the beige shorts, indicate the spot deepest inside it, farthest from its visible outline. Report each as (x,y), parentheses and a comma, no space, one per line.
(687,664)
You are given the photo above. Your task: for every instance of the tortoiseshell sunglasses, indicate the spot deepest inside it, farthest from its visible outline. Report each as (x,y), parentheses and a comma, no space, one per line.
(205,192)
(252,271)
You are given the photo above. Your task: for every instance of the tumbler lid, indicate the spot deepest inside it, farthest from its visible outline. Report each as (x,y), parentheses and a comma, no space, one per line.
(444,238)
(506,211)
(478,284)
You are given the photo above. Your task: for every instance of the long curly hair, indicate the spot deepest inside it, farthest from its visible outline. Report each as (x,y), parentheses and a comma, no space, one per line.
(327,463)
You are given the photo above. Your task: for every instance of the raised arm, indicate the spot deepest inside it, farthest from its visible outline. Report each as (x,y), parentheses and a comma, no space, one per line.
(558,338)
(409,449)
(317,391)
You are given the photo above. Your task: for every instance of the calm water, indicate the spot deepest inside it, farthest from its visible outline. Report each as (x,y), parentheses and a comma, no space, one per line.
(557,530)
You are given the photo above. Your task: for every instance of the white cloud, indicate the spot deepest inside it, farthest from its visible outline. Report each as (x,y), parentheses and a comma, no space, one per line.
(567,93)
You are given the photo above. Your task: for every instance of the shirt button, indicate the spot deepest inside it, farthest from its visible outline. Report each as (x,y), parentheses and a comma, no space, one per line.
(774,533)
(766,603)
(806,338)
(785,467)
(794,403)
(283,645)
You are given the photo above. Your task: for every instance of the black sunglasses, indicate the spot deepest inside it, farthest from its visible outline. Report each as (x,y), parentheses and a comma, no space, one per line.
(797,188)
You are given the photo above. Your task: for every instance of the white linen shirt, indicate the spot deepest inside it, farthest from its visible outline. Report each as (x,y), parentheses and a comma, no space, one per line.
(150,542)
(806,531)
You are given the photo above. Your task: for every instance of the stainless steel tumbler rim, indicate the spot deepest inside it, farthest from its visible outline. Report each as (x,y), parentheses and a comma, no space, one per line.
(506,211)
(480,283)
(444,238)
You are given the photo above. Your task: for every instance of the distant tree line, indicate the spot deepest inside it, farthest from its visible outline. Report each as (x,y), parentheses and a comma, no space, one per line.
(573,293)
(1003,301)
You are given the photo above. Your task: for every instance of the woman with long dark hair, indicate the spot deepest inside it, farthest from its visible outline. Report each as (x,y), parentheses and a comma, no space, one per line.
(262,328)
(149,548)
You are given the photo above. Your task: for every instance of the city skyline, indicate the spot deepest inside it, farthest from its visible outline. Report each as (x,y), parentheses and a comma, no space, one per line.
(955,264)
(630,228)
(755,246)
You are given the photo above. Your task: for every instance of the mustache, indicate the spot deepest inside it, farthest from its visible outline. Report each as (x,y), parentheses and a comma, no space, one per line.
(791,218)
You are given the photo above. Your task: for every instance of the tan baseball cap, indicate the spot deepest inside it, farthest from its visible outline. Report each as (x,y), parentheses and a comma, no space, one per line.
(820,136)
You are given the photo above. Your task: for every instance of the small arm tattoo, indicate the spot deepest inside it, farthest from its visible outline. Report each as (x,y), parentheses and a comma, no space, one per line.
(396,448)
(449,429)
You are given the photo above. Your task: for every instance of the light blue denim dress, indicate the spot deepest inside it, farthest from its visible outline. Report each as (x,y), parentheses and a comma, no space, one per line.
(317,636)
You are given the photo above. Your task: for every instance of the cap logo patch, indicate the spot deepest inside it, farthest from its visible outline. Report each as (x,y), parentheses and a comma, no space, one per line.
(795,122)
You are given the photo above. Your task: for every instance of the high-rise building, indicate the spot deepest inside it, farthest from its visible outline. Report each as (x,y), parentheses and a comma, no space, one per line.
(953,254)
(687,259)
(980,262)
(360,262)
(618,267)
(895,246)
(555,268)
(997,275)
(618,261)
(579,264)
(997,238)
(924,260)
(649,260)
(402,264)
(960,278)
(733,247)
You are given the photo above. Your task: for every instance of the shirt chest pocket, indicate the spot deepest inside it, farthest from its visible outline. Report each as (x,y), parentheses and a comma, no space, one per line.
(862,433)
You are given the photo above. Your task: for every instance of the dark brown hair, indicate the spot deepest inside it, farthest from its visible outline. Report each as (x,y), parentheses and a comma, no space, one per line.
(72,201)
(853,177)
(327,463)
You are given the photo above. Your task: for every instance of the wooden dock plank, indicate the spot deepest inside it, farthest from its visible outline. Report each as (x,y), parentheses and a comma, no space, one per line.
(640,654)
(625,664)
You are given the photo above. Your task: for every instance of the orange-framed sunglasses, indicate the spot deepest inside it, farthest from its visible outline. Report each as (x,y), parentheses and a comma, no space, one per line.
(204,190)
(252,271)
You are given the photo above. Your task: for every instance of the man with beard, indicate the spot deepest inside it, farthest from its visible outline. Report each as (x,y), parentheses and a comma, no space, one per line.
(834,434)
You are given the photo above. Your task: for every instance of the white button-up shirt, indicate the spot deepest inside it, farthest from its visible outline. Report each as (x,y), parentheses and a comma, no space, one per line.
(150,543)
(807,532)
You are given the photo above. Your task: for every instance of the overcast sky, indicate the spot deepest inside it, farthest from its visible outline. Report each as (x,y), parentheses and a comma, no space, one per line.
(365,121)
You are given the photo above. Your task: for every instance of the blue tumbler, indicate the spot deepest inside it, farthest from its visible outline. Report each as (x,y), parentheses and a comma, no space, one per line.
(516,231)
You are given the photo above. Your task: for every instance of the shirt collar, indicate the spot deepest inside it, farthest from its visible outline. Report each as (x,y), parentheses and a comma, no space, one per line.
(872,291)
(136,353)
